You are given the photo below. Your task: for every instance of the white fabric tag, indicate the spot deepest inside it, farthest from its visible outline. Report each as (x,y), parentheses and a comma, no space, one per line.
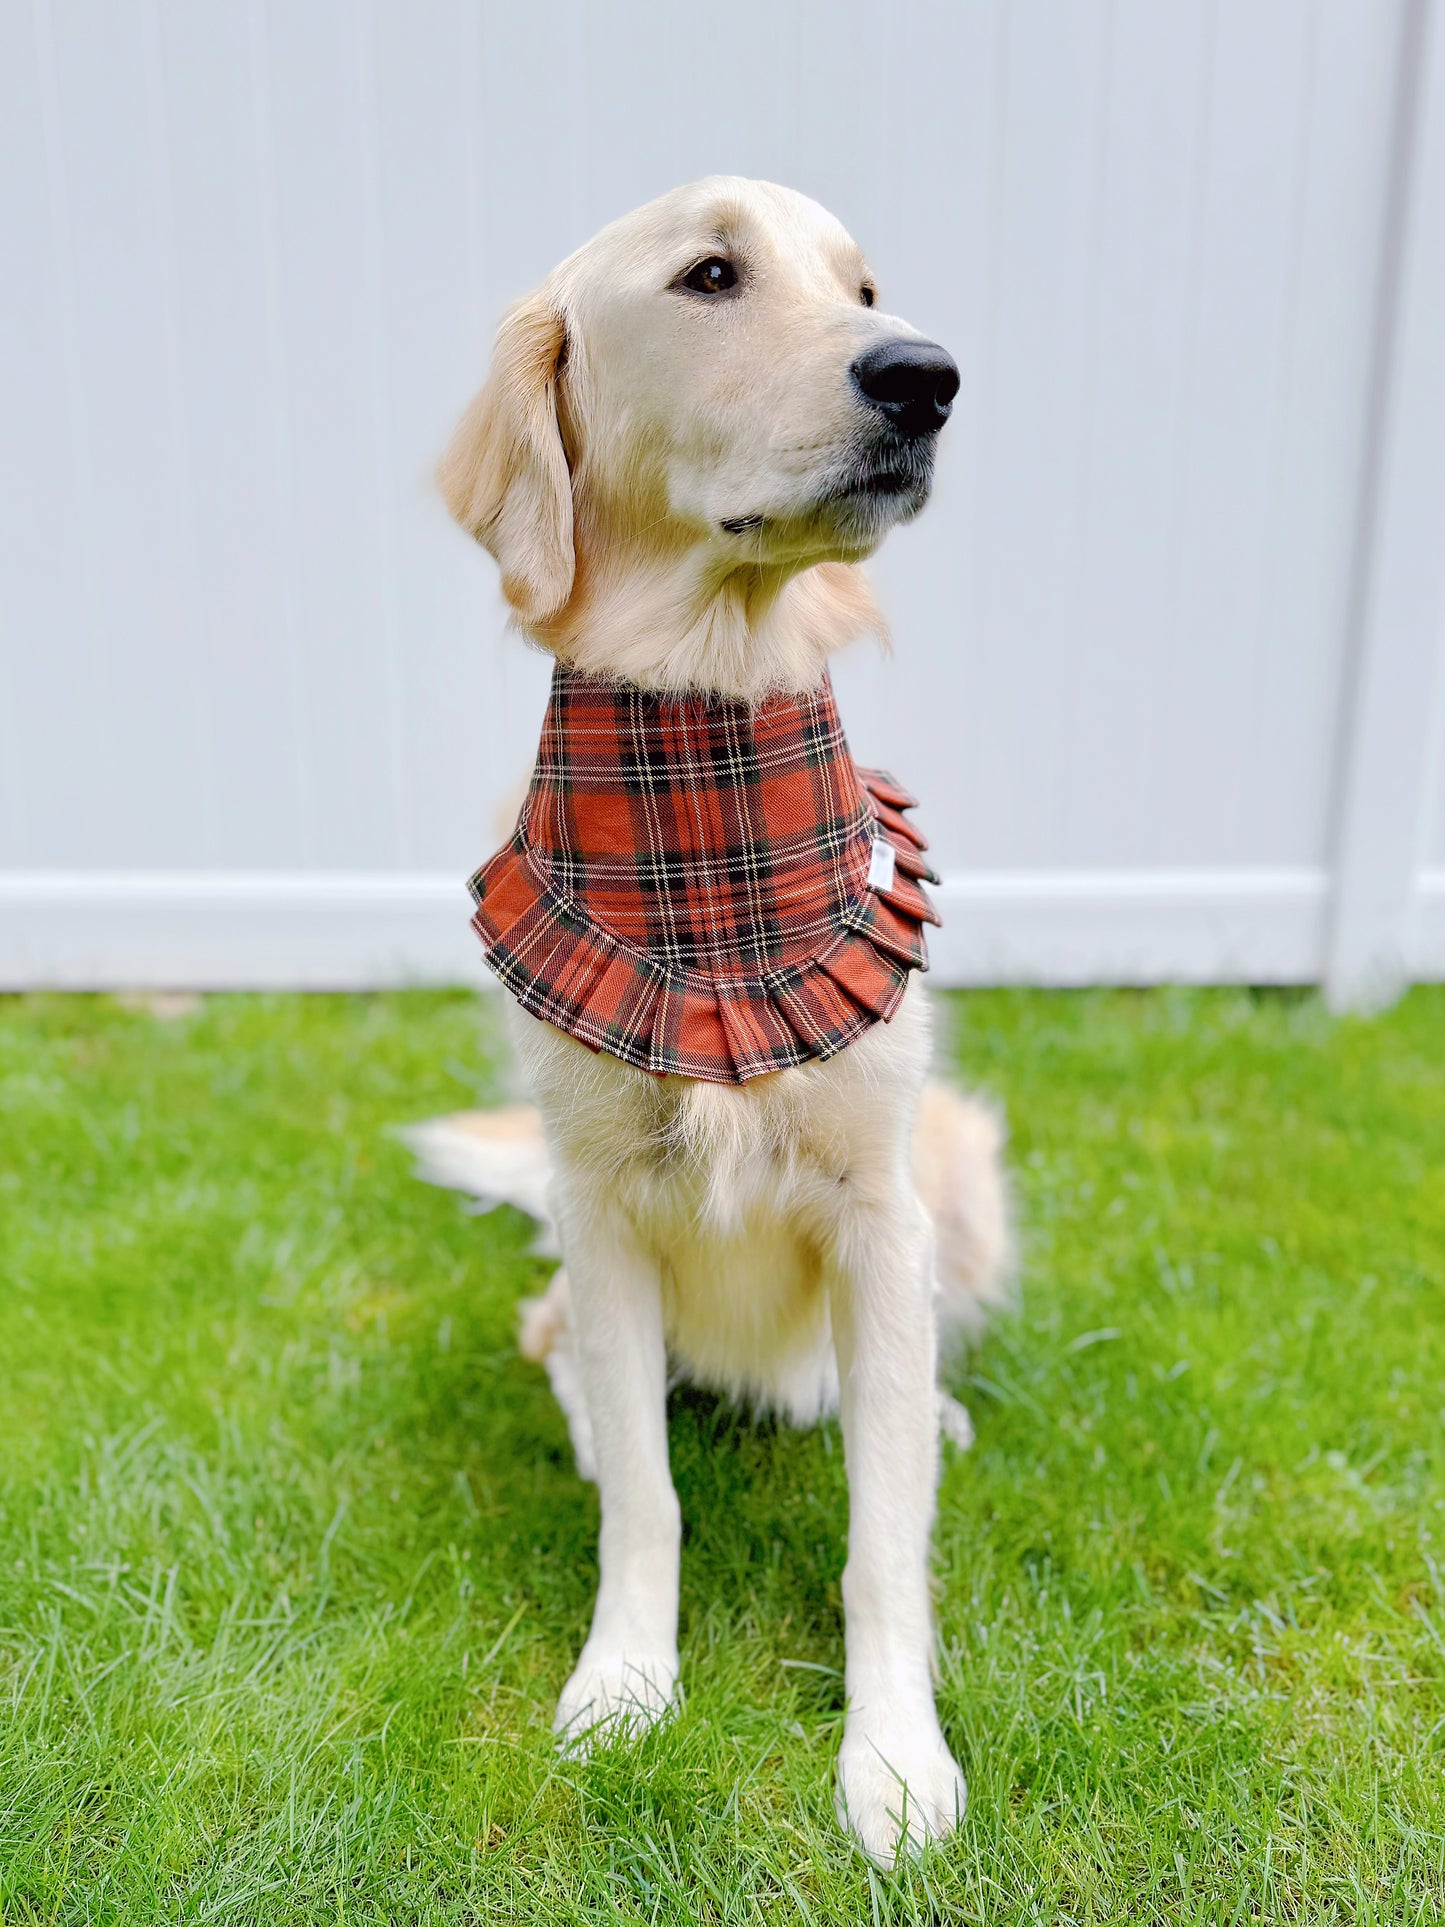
(880,865)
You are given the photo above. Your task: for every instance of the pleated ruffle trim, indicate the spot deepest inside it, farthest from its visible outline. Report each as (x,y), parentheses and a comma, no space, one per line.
(568,969)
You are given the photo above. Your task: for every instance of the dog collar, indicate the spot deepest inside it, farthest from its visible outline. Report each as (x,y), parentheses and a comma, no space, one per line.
(705,887)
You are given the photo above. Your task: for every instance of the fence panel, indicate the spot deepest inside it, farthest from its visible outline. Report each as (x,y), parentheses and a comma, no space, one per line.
(257,705)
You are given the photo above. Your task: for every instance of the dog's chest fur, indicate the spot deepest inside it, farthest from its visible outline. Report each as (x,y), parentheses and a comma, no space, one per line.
(741,1193)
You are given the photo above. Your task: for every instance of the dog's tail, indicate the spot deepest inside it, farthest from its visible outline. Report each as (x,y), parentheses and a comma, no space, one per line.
(496,1157)
(501,1157)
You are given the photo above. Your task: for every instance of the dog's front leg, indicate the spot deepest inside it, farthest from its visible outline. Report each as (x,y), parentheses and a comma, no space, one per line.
(898,1784)
(627,1672)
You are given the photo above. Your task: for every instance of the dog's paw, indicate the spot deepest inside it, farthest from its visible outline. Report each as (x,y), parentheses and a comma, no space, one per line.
(614,1696)
(898,1787)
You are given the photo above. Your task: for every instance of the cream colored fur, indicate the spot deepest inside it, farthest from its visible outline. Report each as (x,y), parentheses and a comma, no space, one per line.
(657,473)
(768,1344)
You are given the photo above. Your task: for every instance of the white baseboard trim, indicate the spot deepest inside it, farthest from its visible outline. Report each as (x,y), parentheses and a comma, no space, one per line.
(263,930)
(1075,927)
(368,930)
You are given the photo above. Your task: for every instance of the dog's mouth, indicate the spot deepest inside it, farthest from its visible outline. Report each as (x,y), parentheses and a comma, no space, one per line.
(878,489)
(875,487)
(883,481)
(884,474)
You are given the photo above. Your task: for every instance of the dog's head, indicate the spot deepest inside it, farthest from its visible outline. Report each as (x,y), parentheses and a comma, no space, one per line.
(711,375)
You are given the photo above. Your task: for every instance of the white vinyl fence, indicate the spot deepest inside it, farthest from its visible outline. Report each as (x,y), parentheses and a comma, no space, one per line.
(1169,642)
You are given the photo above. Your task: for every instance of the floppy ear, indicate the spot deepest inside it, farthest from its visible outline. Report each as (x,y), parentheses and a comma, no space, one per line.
(504,475)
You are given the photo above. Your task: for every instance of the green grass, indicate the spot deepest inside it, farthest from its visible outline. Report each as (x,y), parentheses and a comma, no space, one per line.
(293,1562)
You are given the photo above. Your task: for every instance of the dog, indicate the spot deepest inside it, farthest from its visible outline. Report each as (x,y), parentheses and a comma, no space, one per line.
(692,434)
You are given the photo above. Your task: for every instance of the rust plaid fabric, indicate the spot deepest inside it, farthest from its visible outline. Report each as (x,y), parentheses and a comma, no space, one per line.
(688,885)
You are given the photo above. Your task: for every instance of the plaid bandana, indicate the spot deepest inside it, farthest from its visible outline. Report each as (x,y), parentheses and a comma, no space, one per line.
(703,887)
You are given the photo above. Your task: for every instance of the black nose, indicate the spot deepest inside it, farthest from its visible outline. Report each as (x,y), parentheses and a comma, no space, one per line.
(913,382)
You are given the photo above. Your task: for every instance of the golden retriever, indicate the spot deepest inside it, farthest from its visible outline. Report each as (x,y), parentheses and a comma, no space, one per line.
(691,434)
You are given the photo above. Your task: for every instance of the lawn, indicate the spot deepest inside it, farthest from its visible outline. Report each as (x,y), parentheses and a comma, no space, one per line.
(293,1561)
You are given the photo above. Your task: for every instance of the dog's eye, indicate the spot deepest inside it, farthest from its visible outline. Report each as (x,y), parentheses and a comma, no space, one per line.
(713,276)
(867,295)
